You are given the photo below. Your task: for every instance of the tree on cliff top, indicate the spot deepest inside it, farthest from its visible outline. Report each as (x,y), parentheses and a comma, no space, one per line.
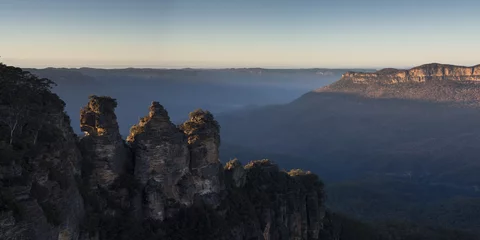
(23,96)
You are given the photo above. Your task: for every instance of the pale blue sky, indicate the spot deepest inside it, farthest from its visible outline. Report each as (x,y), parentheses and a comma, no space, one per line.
(243,33)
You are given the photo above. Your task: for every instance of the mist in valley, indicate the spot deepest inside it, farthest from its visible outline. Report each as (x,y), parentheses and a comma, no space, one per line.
(414,157)
(184,90)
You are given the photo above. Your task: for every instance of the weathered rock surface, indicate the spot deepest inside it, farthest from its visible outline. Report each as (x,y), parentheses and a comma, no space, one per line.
(203,134)
(424,73)
(430,82)
(277,204)
(269,204)
(235,174)
(166,183)
(162,161)
(39,162)
(103,146)
(106,166)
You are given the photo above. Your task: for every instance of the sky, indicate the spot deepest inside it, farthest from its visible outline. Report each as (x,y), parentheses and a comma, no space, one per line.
(238,33)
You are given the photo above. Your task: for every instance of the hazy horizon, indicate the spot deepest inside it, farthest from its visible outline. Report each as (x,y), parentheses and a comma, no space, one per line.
(193,68)
(219,34)
(156,67)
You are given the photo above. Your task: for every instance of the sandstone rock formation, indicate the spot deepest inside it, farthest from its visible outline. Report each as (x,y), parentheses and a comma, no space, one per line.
(289,205)
(162,161)
(430,82)
(103,146)
(167,182)
(235,174)
(203,134)
(106,166)
(268,204)
(181,191)
(428,72)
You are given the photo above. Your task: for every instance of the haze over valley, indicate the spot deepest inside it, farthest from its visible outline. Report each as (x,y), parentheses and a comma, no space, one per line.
(396,148)
(239,120)
(184,90)
(394,144)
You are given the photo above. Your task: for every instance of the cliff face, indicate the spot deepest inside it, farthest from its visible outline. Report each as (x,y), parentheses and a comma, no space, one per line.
(39,162)
(259,202)
(203,134)
(107,167)
(428,72)
(103,146)
(287,205)
(182,191)
(431,82)
(165,182)
(162,161)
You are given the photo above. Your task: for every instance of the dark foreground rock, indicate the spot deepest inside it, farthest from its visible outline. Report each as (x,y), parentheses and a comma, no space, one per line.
(164,182)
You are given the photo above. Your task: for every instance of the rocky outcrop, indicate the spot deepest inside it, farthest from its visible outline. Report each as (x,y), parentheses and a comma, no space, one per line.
(203,134)
(103,148)
(106,167)
(39,162)
(431,82)
(274,204)
(235,174)
(162,163)
(166,183)
(269,204)
(175,165)
(39,194)
(181,180)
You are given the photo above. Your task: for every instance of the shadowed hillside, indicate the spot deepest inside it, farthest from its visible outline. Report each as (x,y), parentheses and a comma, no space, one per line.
(164,182)
(407,135)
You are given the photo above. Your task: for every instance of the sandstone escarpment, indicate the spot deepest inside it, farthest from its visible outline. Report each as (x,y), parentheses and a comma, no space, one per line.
(424,73)
(431,82)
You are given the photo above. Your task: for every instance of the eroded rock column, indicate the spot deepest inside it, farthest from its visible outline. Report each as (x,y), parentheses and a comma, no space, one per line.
(162,163)
(106,159)
(203,133)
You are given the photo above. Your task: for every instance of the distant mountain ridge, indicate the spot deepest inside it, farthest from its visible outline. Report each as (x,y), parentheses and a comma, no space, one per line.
(384,142)
(431,82)
(157,72)
(423,73)
(164,182)
(221,90)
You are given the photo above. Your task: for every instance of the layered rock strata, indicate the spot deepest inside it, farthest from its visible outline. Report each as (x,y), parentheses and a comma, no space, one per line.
(203,134)
(424,73)
(162,161)
(431,82)
(106,168)
(103,146)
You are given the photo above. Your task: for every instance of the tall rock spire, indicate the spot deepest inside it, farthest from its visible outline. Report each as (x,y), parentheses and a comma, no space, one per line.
(103,145)
(98,117)
(106,163)
(203,133)
(161,163)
